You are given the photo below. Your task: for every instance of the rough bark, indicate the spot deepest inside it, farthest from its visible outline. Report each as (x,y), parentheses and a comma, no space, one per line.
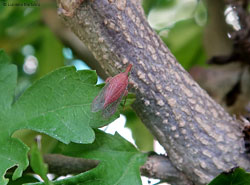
(160,167)
(50,18)
(201,139)
(64,165)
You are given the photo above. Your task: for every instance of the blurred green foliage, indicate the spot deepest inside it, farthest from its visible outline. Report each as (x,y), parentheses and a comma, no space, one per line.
(185,42)
(150,4)
(143,138)
(180,24)
(23,25)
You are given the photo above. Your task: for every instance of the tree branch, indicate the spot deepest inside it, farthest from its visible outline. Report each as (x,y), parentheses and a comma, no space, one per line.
(160,167)
(157,166)
(201,139)
(50,18)
(64,165)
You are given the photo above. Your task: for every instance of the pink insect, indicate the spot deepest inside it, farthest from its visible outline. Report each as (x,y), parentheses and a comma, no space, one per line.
(111,95)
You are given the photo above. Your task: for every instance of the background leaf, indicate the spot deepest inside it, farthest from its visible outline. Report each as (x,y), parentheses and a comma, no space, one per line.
(143,138)
(237,176)
(50,58)
(185,42)
(180,24)
(150,4)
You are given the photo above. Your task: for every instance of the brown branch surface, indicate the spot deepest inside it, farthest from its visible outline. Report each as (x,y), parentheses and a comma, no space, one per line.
(156,166)
(64,165)
(160,167)
(50,18)
(201,139)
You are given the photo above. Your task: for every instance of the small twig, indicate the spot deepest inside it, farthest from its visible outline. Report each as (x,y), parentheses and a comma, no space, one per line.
(156,166)
(63,165)
(160,167)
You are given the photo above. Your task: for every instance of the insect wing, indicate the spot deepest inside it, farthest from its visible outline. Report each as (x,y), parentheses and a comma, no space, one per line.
(99,101)
(111,108)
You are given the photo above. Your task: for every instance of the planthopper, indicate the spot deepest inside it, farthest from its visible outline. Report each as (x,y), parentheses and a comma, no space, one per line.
(112,93)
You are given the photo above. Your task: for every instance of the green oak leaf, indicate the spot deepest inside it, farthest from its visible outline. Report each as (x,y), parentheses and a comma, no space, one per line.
(143,138)
(58,105)
(237,176)
(119,161)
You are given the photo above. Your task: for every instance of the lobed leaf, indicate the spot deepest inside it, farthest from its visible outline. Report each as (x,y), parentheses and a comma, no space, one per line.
(119,161)
(58,105)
